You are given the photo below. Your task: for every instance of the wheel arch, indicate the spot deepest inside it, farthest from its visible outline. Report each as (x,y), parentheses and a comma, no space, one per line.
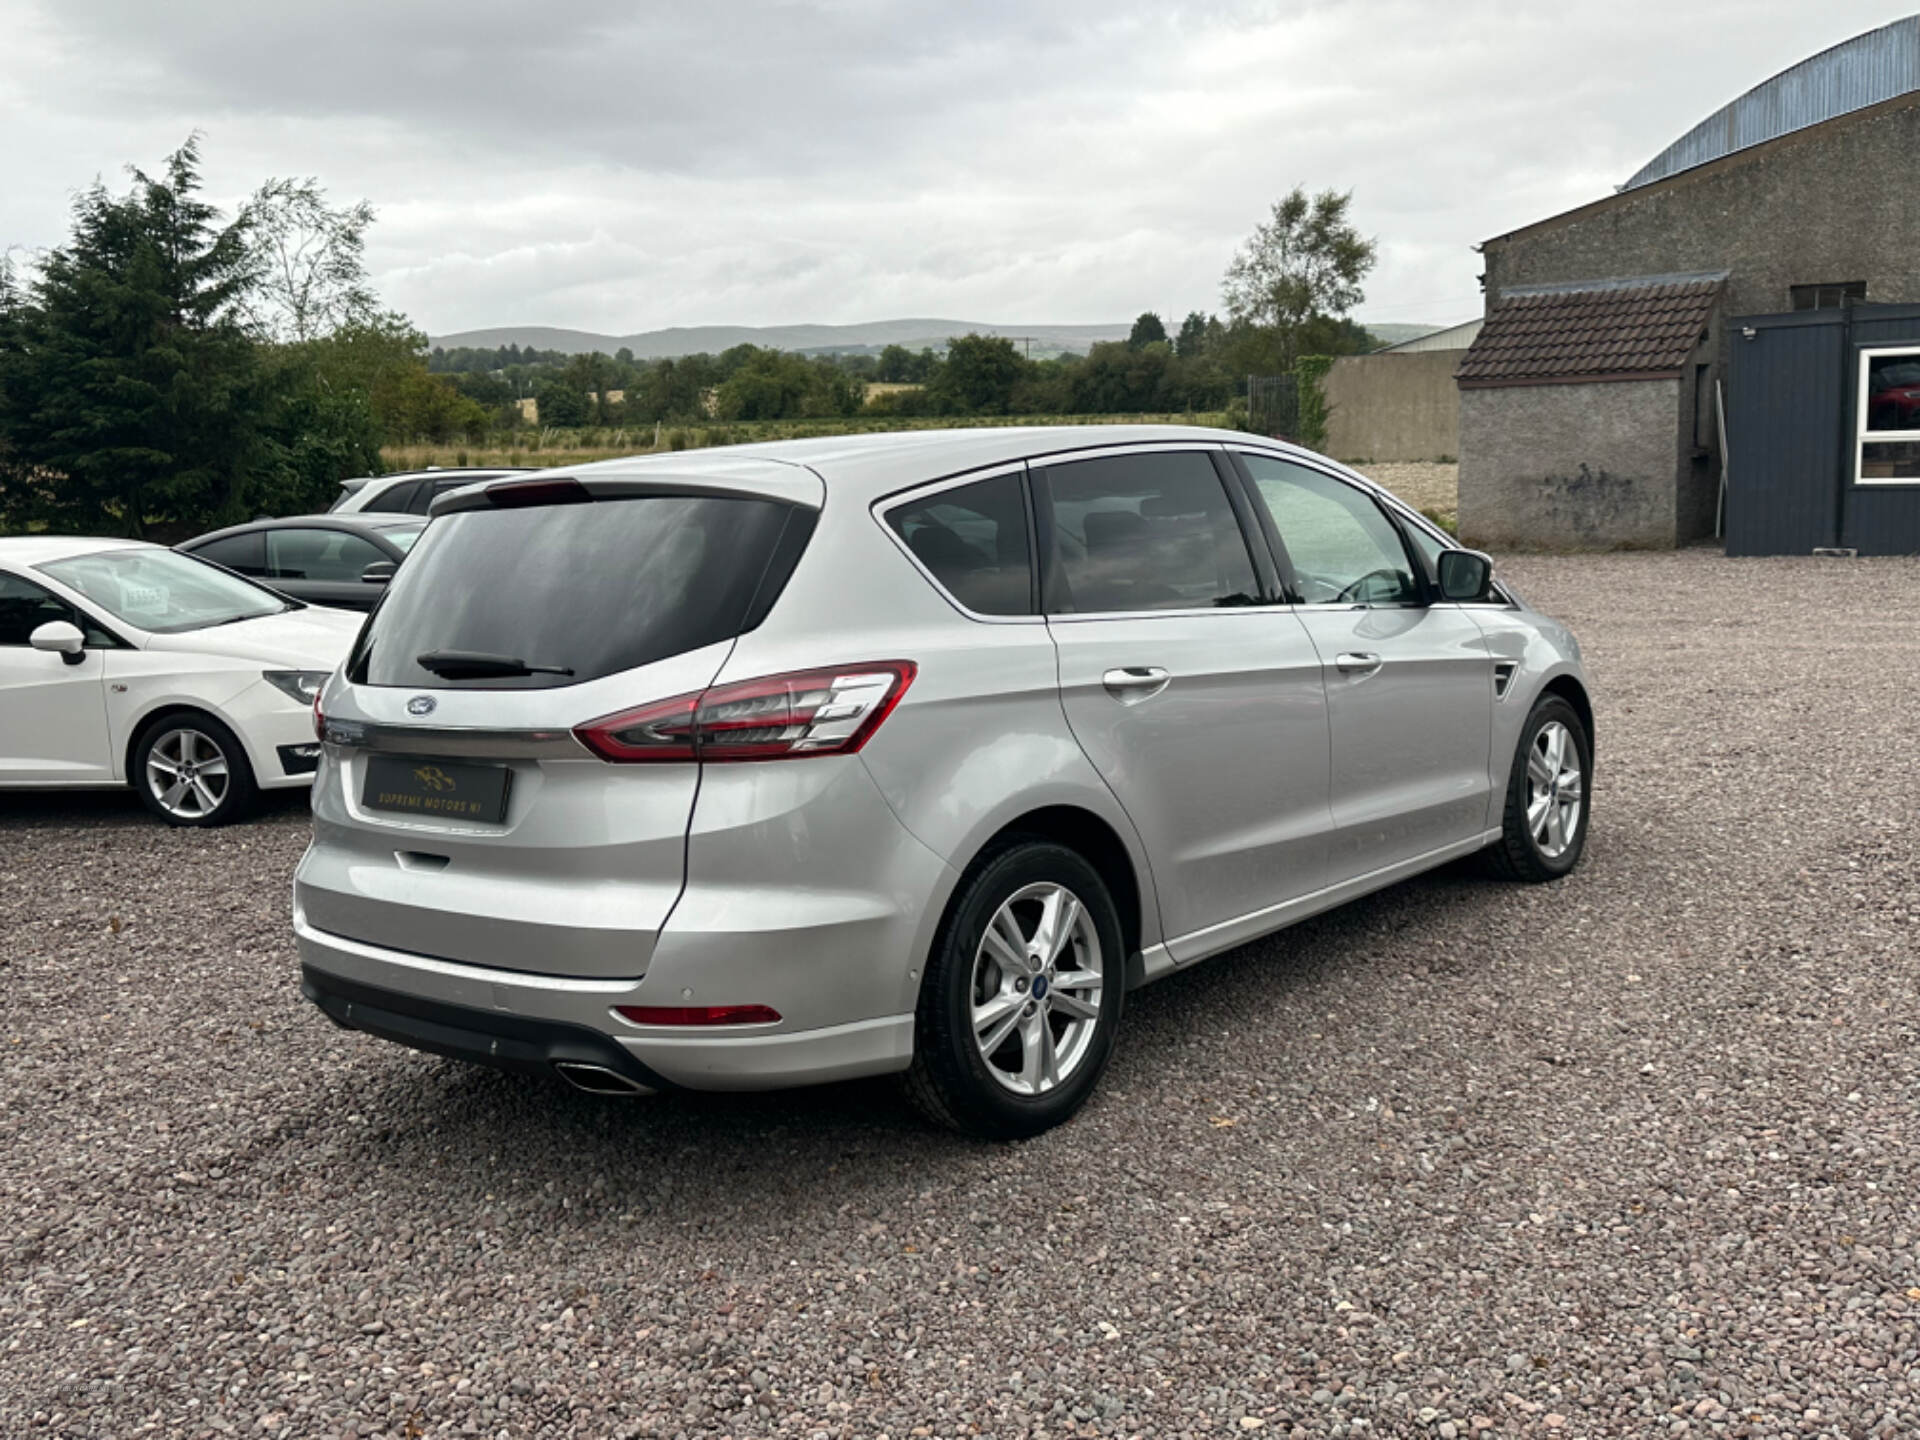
(1568,687)
(1092,837)
(139,729)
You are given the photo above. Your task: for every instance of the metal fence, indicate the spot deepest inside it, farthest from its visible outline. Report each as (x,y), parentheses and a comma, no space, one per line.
(1273,405)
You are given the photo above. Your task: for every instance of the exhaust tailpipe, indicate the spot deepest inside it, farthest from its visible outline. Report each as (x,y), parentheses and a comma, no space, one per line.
(598,1079)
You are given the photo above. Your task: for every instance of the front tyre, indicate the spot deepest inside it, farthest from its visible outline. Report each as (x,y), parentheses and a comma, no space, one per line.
(1022,995)
(192,771)
(1544,827)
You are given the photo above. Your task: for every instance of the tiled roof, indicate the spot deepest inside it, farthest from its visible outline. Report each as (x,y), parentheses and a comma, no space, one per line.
(1614,329)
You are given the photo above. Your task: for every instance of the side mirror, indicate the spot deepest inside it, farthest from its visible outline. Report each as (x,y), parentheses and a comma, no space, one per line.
(379,572)
(1465,575)
(62,638)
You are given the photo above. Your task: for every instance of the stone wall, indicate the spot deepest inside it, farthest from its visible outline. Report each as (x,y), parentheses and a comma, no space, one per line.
(1393,406)
(1586,466)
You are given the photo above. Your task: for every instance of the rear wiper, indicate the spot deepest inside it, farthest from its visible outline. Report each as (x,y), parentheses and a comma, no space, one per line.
(475,665)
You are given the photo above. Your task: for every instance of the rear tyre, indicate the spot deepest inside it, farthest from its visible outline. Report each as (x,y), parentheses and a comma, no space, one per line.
(1544,827)
(1022,996)
(192,771)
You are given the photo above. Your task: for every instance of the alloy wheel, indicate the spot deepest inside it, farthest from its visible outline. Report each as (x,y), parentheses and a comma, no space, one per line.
(188,774)
(1555,792)
(1037,981)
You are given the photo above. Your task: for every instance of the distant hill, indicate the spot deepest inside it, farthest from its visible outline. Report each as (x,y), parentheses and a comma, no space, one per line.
(1040,340)
(712,339)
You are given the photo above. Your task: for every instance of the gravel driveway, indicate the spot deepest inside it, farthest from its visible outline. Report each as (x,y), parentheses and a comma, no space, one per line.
(1630,1155)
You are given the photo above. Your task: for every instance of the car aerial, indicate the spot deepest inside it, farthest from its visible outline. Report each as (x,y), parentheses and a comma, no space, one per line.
(123,663)
(340,560)
(909,753)
(408,492)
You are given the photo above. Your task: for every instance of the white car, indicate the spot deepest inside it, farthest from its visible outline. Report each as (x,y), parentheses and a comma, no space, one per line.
(127,663)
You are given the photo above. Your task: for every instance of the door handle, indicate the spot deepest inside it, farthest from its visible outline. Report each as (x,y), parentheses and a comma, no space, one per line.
(1357,662)
(1133,683)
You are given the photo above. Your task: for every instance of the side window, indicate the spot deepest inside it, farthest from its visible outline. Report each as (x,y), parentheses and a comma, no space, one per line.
(1344,549)
(1142,532)
(397,499)
(245,553)
(25,607)
(973,540)
(331,555)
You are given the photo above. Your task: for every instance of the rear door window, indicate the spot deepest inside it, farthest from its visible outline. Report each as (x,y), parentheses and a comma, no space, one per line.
(396,499)
(1141,532)
(328,555)
(973,540)
(244,554)
(591,589)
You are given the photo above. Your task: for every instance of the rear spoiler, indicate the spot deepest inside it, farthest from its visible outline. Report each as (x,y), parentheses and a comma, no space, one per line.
(748,479)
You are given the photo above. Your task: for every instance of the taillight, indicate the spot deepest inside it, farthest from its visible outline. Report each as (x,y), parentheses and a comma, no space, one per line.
(783,717)
(698,1014)
(319,718)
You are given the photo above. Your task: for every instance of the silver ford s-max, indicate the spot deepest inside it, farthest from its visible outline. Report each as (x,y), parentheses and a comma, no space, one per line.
(909,753)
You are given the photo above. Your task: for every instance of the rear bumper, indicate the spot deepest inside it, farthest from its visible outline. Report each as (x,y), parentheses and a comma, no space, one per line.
(519,1021)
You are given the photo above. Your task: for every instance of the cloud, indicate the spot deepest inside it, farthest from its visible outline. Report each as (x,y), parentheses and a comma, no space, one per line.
(619,167)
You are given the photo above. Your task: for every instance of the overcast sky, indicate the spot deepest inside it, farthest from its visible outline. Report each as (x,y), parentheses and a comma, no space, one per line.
(624,166)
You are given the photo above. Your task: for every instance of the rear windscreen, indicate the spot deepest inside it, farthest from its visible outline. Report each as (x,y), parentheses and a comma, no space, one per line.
(589,588)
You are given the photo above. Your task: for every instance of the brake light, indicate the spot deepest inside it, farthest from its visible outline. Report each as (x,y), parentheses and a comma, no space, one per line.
(698,1014)
(319,718)
(782,717)
(510,493)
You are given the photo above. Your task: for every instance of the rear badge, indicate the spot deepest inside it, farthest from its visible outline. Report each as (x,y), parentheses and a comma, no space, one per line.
(421,705)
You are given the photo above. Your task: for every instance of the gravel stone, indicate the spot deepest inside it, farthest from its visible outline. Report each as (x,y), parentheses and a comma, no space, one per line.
(1628,1155)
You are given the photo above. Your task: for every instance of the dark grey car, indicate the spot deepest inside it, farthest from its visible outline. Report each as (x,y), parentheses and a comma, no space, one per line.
(340,560)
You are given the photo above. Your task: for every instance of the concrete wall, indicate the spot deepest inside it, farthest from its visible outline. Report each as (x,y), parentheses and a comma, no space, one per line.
(1837,202)
(1558,467)
(1393,407)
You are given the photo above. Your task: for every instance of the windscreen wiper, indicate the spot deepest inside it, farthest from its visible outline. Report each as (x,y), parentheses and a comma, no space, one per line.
(478,665)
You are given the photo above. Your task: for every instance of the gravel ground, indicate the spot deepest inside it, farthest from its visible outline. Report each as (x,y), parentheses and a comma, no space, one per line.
(1630,1155)
(1423,485)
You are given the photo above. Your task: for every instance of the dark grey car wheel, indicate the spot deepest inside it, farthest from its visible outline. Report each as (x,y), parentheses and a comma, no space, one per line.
(191,770)
(1022,995)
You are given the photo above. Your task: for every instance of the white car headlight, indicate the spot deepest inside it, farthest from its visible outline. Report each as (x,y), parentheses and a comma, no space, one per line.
(300,686)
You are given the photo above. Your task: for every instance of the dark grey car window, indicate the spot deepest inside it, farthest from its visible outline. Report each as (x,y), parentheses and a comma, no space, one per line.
(330,555)
(1344,549)
(973,540)
(1142,532)
(245,554)
(590,588)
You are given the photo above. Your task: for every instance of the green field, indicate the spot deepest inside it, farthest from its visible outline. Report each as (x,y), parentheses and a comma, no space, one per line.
(577,447)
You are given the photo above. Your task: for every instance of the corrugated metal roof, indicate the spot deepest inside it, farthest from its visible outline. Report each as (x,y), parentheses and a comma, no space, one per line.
(1863,71)
(1613,329)
(1454,337)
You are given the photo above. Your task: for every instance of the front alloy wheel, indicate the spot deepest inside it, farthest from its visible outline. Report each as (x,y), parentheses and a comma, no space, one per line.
(1543,827)
(191,770)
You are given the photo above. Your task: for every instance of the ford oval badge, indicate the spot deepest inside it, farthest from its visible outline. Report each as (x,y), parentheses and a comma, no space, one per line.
(421,705)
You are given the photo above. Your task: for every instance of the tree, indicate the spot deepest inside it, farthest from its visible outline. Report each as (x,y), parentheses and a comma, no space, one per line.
(1147,330)
(1197,332)
(978,376)
(310,261)
(1303,265)
(131,394)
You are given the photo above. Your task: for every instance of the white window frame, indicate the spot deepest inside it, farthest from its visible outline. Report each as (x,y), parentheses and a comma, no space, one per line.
(1863,437)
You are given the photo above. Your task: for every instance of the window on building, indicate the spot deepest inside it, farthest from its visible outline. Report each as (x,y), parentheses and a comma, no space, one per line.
(1831,295)
(1887,446)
